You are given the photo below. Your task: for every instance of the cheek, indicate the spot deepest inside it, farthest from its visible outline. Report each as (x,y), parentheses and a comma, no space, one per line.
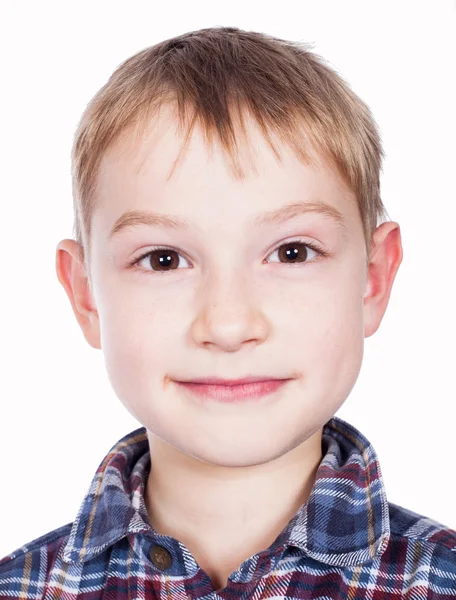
(137,346)
(327,332)
(134,322)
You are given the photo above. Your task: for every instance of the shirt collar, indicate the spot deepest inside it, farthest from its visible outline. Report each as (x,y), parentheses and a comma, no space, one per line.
(344,522)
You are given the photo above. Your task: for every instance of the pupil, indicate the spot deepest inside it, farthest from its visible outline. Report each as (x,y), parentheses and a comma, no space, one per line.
(163,259)
(291,252)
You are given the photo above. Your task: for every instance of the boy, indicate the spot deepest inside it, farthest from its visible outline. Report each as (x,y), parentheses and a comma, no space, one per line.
(229,262)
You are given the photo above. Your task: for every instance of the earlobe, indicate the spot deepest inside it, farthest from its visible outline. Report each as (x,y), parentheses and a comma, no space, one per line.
(385,258)
(72,275)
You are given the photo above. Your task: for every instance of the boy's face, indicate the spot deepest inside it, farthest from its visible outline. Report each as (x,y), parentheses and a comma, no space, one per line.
(230,305)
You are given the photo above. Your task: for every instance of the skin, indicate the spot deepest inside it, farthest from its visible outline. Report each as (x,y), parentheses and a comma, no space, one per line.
(227,478)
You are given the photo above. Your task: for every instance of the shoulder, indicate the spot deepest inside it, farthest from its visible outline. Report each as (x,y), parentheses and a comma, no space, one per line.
(25,570)
(419,528)
(426,546)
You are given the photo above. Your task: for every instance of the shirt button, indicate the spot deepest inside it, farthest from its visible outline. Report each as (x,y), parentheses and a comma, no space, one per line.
(161,557)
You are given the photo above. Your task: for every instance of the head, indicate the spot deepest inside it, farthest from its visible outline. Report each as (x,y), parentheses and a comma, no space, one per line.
(257,168)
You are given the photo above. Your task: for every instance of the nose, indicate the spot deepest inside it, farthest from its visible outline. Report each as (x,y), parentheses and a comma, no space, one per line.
(230,316)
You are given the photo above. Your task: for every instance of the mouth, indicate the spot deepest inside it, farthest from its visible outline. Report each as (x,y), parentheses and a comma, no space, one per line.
(232,390)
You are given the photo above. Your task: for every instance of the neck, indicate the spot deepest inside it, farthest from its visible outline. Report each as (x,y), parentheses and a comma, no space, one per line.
(224,515)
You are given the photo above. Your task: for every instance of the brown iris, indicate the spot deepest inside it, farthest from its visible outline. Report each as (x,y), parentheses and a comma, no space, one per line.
(169,259)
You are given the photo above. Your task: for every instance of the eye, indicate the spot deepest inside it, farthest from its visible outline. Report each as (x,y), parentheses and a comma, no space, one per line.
(166,259)
(297,251)
(159,259)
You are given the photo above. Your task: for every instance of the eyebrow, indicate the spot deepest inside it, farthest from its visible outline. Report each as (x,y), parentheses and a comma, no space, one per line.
(134,218)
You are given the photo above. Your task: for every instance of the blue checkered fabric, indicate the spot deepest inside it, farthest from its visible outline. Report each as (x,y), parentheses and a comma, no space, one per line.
(346,542)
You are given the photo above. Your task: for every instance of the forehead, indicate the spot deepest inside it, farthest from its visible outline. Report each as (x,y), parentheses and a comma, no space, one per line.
(161,138)
(143,169)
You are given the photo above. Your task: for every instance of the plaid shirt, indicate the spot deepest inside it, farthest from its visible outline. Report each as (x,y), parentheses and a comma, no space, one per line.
(346,542)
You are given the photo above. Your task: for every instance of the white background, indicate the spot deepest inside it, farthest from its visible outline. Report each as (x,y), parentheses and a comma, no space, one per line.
(58,415)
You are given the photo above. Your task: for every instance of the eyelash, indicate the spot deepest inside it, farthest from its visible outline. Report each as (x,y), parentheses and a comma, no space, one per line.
(314,247)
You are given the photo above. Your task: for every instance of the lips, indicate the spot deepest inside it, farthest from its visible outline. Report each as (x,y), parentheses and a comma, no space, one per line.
(244,380)
(233,392)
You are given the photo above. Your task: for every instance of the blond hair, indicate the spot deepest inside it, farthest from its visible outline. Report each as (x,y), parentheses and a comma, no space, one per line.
(213,76)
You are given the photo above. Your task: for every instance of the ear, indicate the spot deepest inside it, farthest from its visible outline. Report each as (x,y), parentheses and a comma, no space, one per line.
(73,276)
(384,260)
